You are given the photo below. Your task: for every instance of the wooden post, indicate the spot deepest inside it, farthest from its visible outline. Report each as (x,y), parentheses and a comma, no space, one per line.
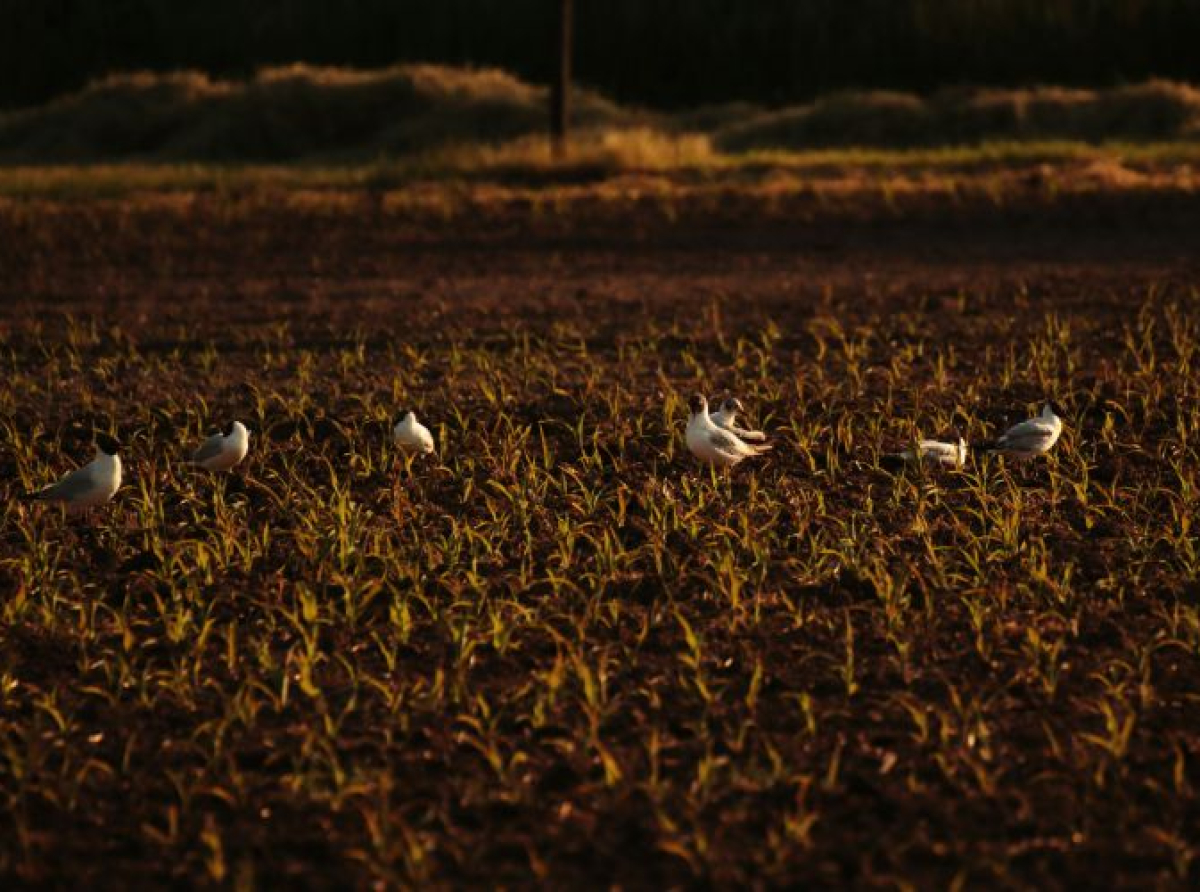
(560,87)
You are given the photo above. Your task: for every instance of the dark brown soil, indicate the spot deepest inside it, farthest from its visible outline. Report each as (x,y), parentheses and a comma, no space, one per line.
(950,761)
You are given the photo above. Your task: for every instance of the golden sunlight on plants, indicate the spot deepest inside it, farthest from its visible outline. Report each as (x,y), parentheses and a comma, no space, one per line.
(559,648)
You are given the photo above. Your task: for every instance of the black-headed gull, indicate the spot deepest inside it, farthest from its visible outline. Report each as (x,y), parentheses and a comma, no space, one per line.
(412,436)
(938,452)
(726,418)
(92,485)
(1031,438)
(223,450)
(713,444)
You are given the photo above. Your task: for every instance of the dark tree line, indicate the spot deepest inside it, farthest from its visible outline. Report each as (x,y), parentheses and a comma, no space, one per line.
(667,53)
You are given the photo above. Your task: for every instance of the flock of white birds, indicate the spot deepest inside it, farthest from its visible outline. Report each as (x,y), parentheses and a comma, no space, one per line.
(98,481)
(713,438)
(716,439)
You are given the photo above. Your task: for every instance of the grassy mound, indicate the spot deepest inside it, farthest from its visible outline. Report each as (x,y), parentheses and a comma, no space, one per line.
(285,114)
(330,114)
(1155,110)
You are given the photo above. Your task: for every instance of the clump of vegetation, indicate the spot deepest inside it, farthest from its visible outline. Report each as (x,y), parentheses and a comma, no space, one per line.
(329,115)
(295,112)
(1155,110)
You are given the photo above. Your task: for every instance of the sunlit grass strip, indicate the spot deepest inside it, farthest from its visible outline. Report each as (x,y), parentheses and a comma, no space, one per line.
(527,162)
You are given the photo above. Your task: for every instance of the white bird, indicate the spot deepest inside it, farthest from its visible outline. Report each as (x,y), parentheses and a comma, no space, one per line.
(726,418)
(223,450)
(412,436)
(1031,438)
(938,452)
(712,444)
(93,484)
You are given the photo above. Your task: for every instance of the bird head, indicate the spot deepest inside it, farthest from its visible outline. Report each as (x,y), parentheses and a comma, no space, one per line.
(107,444)
(698,404)
(732,405)
(227,430)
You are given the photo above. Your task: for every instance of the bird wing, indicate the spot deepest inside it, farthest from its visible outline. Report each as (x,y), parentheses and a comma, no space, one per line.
(938,449)
(210,448)
(726,424)
(1027,433)
(724,441)
(748,436)
(71,488)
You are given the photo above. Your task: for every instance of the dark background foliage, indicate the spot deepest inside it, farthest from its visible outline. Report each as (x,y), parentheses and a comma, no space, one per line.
(666,53)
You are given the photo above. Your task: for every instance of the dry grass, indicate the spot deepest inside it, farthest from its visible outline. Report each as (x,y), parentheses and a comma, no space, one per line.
(678,169)
(329,115)
(284,114)
(1155,110)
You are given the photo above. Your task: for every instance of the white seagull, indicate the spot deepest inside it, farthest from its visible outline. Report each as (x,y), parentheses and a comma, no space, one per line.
(223,450)
(938,452)
(412,436)
(726,418)
(93,484)
(1031,438)
(713,444)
